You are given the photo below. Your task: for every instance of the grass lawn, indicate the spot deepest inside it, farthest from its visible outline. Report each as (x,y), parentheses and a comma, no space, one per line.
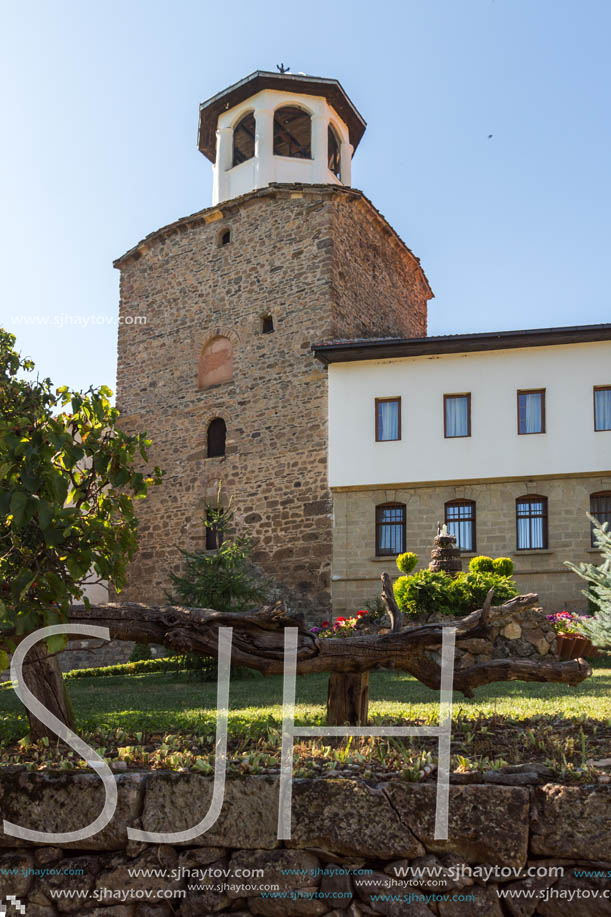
(166,719)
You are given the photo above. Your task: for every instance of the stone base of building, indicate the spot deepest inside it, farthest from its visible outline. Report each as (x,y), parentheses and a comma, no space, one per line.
(356,569)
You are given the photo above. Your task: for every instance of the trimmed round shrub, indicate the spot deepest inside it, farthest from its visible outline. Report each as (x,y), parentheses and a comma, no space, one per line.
(406,562)
(503,566)
(481,564)
(469,591)
(424,592)
(435,591)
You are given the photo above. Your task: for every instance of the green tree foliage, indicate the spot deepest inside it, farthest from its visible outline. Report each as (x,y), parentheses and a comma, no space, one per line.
(68,482)
(598,576)
(503,566)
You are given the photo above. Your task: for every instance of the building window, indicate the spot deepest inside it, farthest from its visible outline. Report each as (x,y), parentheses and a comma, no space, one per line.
(225,237)
(388,419)
(217,434)
(602,407)
(600,508)
(267,324)
(214,538)
(531,411)
(215,362)
(333,149)
(531,522)
(457,415)
(460,520)
(292,133)
(390,529)
(244,139)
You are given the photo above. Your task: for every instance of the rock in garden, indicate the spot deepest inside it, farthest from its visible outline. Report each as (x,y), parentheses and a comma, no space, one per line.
(336,886)
(477,902)
(349,817)
(288,869)
(248,819)
(66,802)
(572,821)
(487,824)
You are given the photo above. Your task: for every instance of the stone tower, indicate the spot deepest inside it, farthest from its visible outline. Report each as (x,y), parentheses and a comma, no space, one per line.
(221,374)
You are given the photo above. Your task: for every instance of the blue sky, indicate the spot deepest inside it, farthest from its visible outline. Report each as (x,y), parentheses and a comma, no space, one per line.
(99,116)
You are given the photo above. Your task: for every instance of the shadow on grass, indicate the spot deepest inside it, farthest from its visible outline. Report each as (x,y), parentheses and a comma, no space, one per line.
(169,702)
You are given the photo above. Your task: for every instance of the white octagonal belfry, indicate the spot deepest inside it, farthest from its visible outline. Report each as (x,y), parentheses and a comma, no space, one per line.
(278,127)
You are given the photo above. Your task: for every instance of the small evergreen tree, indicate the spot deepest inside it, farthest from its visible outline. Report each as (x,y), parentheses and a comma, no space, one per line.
(223,578)
(597,628)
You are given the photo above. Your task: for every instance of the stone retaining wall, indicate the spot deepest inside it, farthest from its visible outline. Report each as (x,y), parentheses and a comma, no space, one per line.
(348,840)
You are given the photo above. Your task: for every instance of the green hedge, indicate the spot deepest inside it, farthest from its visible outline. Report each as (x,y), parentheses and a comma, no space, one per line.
(142,667)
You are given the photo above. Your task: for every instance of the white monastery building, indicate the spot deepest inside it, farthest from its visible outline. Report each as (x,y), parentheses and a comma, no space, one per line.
(504,436)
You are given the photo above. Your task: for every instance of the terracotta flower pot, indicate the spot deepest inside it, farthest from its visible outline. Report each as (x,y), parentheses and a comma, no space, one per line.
(574,646)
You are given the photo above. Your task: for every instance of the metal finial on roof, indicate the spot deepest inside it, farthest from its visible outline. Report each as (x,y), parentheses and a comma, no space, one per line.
(282,69)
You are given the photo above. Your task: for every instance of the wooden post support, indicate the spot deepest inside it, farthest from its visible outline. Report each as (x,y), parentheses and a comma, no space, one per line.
(348,699)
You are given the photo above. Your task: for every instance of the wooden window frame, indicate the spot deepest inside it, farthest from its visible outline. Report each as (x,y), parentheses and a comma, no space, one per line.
(599,388)
(235,153)
(531,391)
(597,493)
(379,524)
(466,395)
(534,498)
(396,398)
(335,160)
(470,503)
(277,127)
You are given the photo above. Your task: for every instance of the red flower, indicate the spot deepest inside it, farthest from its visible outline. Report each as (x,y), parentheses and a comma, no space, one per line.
(337,620)
(325,624)
(360,614)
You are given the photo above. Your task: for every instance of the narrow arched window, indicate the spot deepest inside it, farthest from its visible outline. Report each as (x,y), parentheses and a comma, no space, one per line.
(600,508)
(390,529)
(225,237)
(217,435)
(292,133)
(215,362)
(460,520)
(244,139)
(333,152)
(531,522)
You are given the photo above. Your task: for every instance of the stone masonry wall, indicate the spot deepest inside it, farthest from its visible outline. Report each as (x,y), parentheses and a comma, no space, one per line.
(356,569)
(357,849)
(379,293)
(282,260)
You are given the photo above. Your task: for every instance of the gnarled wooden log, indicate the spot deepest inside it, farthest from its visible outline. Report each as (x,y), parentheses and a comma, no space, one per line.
(258,642)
